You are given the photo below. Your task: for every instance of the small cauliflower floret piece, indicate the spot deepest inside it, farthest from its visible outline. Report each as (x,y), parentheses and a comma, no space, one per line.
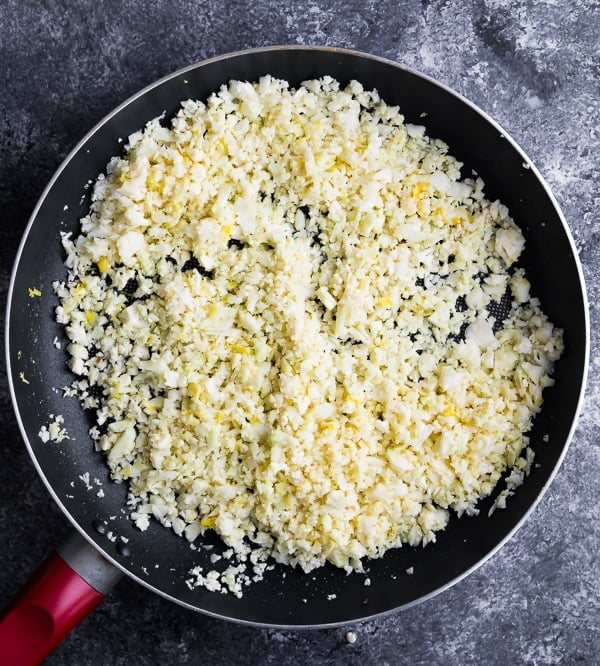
(326,298)
(246,92)
(476,298)
(398,460)
(449,379)
(460,190)
(505,360)
(54,430)
(77,351)
(131,316)
(440,181)
(193,530)
(141,520)
(469,354)
(432,519)
(336,502)
(441,316)
(130,244)
(509,244)
(444,444)
(76,365)
(535,372)
(481,333)
(519,287)
(124,444)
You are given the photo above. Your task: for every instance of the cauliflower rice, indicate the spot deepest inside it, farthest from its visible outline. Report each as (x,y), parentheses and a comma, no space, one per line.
(279,308)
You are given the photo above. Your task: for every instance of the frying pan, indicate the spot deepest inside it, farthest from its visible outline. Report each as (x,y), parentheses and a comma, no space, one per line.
(105,542)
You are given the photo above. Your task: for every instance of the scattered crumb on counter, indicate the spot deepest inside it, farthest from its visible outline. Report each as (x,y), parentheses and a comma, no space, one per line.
(351,637)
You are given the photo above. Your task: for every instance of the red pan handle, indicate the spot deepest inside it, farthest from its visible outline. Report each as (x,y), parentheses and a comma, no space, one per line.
(67,586)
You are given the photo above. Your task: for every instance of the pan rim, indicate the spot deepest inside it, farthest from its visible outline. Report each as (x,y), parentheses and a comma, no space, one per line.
(275,48)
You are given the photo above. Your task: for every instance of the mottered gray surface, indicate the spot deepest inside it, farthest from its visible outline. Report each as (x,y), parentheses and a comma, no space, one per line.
(535,67)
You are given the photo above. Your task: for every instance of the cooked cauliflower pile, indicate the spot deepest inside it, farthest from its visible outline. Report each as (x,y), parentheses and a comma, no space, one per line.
(279,307)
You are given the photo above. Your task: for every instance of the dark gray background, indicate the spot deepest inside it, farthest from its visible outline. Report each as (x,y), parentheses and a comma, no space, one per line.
(534,66)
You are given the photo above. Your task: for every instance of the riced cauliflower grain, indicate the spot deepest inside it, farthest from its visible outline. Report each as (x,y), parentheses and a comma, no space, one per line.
(279,307)
(54,431)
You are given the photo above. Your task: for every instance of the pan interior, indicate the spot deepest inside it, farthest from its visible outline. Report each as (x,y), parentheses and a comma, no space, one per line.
(77,475)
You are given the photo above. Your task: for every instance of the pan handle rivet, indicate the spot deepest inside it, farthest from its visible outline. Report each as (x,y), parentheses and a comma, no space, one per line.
(99,526)
(123,550)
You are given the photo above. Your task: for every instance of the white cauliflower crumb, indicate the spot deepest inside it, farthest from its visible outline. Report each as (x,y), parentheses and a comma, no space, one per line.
(141,520)
(54,431)
(232,579)
(85,478)
(279,309)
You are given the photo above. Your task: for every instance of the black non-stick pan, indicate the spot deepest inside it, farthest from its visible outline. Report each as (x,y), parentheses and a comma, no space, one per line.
(74,473)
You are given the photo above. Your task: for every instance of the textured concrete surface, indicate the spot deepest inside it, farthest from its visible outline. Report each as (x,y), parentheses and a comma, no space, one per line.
(535,67)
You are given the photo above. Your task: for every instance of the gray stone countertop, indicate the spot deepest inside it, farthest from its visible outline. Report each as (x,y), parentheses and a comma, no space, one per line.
(535,67)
